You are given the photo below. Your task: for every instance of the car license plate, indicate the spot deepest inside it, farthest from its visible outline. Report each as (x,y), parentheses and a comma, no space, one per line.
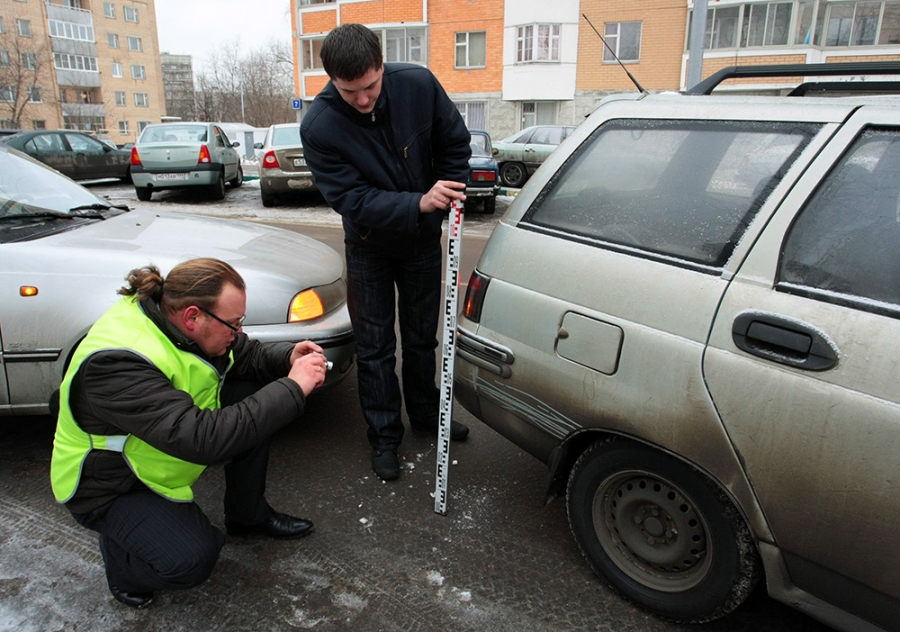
(171,176)
(299,162)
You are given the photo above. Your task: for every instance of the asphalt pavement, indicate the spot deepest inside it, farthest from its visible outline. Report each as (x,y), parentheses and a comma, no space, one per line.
(380,557)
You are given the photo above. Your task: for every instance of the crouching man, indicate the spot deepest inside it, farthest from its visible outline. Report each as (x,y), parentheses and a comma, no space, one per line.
(164,384)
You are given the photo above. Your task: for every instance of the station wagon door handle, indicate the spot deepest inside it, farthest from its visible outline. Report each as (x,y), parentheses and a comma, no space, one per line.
(784,341)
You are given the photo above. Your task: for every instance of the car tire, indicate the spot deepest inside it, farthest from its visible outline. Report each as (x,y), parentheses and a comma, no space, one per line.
(268,200)
(660,533)
(127,176)
(217,190)
(238,179)
(513,174)
(490,205)
(143,193)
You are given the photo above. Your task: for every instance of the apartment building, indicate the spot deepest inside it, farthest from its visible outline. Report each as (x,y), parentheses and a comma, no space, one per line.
(82,64)
(509,64)
(178,81)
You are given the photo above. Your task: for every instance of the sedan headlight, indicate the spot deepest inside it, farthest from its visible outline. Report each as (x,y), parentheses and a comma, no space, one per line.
(317,301)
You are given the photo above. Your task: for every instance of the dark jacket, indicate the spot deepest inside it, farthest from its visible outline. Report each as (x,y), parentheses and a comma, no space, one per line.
(374,168)
(118,392)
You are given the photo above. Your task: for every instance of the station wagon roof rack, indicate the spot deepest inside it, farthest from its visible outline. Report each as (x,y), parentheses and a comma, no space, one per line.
(870,68)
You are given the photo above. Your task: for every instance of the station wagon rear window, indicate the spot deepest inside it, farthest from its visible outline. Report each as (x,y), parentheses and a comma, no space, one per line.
(682,189)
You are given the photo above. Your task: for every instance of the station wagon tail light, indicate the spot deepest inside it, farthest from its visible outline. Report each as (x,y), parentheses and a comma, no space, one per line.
(484,176)
(204,155)
(135,159)
(270,160)
(317,301)
(477,288)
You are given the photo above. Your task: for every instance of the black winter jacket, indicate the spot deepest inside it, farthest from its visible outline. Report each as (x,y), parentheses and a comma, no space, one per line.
(119,392)
(374,168)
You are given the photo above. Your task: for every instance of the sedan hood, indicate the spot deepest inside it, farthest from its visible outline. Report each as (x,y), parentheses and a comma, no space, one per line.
(275,263)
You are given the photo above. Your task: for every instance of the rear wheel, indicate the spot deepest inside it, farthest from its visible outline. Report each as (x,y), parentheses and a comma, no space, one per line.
(217,190)
(513,174)
(660,533)
(143,194)
(238,179)
(268,200)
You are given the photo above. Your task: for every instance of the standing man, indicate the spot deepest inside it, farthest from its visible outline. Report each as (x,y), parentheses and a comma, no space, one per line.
(141,417)
(389,152)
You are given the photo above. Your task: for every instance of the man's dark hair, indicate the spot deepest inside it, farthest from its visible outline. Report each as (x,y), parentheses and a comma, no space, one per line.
(350,51)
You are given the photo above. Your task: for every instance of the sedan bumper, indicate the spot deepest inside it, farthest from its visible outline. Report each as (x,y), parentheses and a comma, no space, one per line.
(201,175)
(272,181)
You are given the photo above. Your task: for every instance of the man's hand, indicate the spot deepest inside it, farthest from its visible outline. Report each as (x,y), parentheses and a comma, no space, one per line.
(303,348)
(307,366)
(440,196)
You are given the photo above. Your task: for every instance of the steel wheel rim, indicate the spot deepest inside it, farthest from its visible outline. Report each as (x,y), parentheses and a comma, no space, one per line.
(652,531)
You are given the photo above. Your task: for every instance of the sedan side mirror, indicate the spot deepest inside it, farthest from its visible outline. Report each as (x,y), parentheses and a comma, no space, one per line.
(235,144)
(257,145)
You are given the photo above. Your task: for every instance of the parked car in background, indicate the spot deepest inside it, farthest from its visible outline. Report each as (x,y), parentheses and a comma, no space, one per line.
(484,179)
(705,350)
(64,252)
(73,154)
(179,155)
(282,166)
(521,154)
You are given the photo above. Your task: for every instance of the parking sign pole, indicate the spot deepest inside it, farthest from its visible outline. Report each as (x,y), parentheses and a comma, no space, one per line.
(451,285)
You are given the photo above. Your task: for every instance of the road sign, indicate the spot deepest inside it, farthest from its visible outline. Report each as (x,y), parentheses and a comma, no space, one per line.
(297,104)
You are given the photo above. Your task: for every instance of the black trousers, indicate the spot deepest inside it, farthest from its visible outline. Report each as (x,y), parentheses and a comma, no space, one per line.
(150,543)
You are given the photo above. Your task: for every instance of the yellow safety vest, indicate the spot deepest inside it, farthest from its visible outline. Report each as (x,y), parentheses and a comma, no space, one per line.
(126,327)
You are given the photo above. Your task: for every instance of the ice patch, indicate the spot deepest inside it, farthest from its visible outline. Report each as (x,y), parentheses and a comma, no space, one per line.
(434,578)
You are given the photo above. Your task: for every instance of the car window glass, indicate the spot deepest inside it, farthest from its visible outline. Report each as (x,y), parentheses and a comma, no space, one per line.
(47,142)
(522,138)
(286,136)
(846,239)
(547,136)
(479,145)
(685,189)
(84,143)
(220,138)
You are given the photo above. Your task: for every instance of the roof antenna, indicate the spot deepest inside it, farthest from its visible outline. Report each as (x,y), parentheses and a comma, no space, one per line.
(613,53)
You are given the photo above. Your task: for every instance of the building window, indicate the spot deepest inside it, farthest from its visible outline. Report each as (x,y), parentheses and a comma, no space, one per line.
(766,24)
(306,3)
(142,125)
(141,99)
(123,128)
(120,98)
(72,4)
(137,72)
(537,42)
(4,59)
(472,114)
(116,69)
(2,30)
(7,94)
(852,23)
(471,49)
(109,10)
(404,44)
(538,113)
(23,27)
(72,31)
(39,124)
(63,61)
(29,61)
(34,94)
(312,48)
(624,38)
(722,27)
(112,39)
(131,14)
(134,43)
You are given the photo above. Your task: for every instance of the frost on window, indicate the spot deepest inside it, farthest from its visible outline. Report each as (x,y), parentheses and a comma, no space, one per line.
(846,239)
(683,189)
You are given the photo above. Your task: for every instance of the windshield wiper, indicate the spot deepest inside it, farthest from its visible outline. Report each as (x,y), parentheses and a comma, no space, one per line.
(84,210)
(38,215)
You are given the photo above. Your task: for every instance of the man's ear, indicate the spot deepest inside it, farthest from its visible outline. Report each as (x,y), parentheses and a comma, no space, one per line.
(190,317)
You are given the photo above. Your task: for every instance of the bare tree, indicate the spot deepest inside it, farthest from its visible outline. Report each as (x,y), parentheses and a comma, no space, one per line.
(255,88)
(24,64)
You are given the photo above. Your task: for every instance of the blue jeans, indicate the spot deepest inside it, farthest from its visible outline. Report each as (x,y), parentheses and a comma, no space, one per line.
(372,278)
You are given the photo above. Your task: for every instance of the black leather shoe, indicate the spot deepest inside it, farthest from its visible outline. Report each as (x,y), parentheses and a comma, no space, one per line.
(279,525)
(458,431)
(134,600)
(386,465)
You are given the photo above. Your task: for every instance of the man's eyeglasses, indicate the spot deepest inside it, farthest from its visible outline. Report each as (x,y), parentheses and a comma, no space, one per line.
(224,322)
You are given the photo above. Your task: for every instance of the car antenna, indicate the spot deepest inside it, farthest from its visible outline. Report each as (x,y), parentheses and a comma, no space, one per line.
(613,53)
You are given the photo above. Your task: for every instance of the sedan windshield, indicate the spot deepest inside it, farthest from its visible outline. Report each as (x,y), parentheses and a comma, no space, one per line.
(28,188)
